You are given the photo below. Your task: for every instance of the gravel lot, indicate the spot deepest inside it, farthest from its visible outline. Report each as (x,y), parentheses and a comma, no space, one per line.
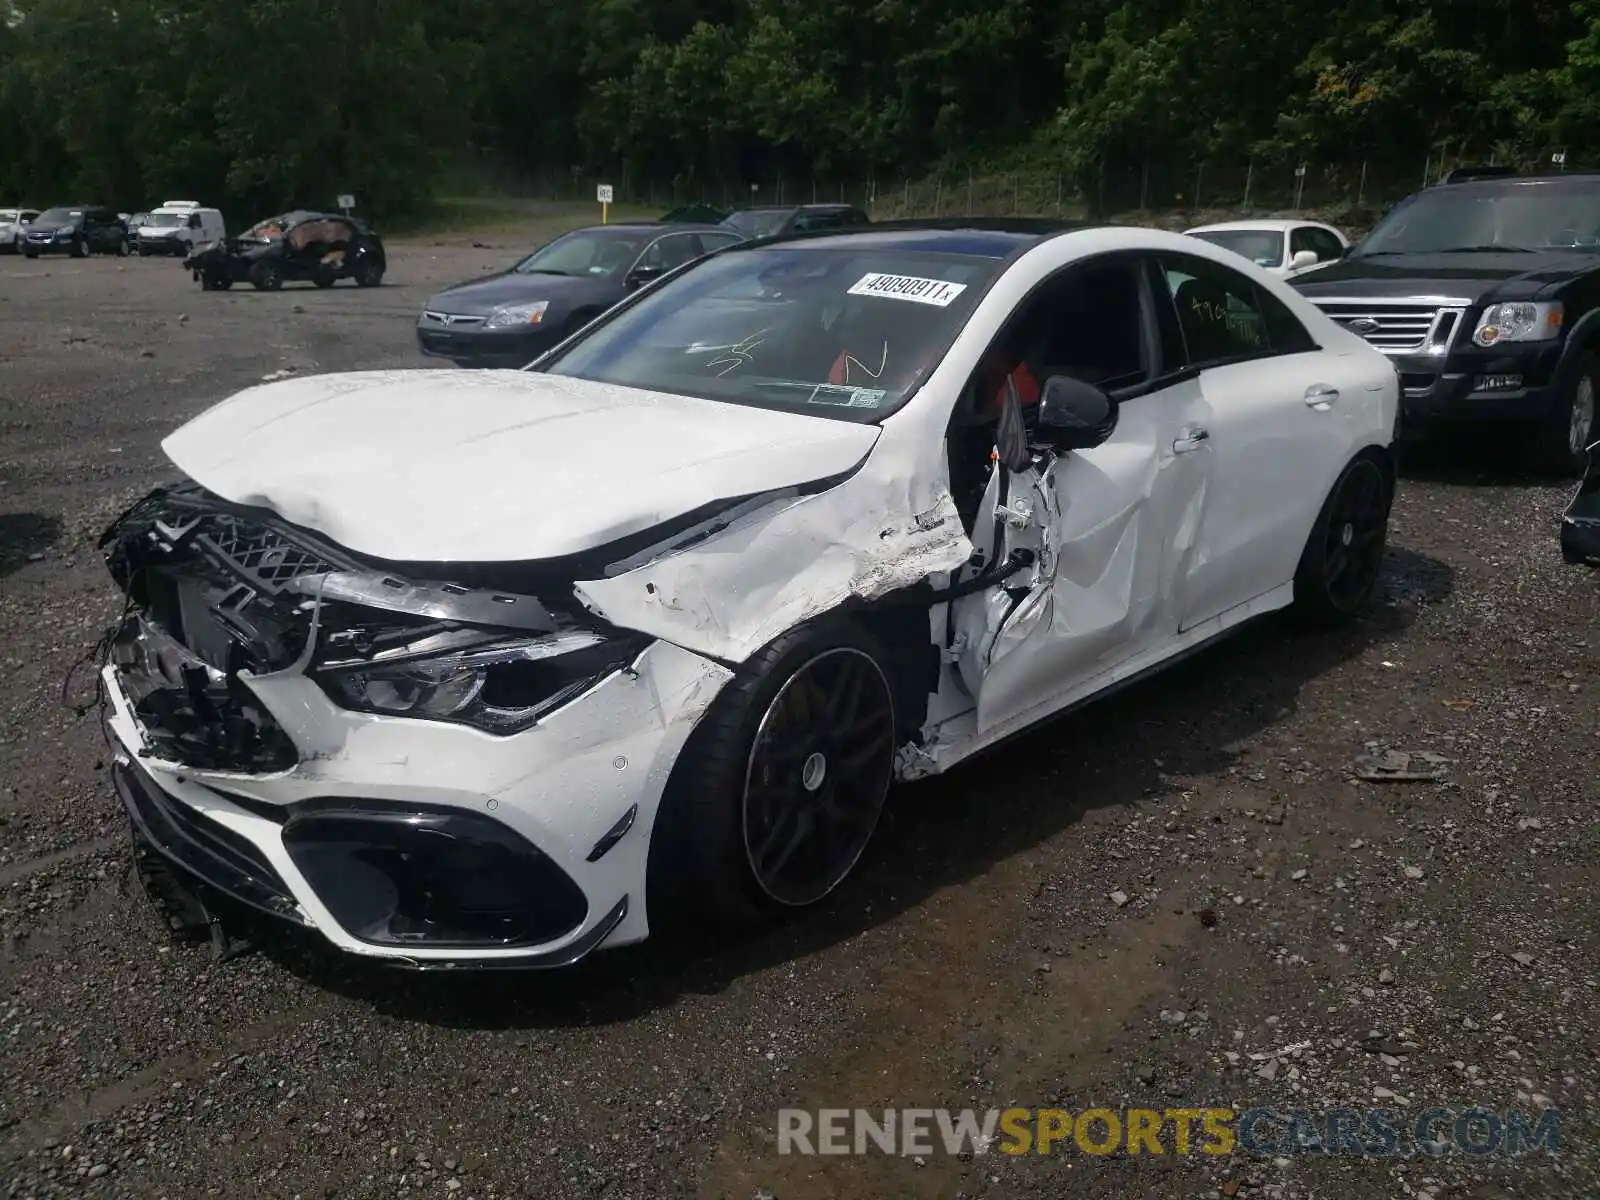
(1144,904)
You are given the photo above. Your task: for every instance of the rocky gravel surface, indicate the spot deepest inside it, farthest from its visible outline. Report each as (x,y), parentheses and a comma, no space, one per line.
(1185,897)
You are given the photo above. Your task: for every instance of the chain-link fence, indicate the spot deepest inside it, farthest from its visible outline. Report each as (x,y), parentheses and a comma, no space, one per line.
(1355,191)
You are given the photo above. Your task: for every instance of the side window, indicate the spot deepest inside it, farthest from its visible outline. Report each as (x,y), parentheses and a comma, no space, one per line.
(818,220)
(1087,322)
(1328,247)
(1300,240)
(669,252)
(1224,317)
(716,241)
(194,220)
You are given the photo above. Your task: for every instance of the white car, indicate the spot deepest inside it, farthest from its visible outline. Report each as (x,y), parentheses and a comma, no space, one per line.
(493,668)
(1279,247)
(12,222)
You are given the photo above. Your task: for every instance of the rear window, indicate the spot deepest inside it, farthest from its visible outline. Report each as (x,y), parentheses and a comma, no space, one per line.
(1264,247)
(840,332)
(763,223)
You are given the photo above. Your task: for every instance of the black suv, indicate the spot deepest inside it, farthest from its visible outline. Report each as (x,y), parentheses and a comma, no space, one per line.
(1486,294)
(75,229)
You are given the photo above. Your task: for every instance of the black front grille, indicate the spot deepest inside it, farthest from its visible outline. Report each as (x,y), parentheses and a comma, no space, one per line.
(259,552)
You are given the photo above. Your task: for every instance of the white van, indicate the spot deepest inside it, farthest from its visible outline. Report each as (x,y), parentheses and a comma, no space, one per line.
(178,226)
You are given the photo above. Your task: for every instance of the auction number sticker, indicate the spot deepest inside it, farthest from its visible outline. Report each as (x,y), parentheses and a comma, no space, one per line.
(937,292)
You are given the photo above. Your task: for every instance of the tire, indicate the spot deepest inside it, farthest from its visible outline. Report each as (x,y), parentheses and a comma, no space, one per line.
(800,743)
(122,248)
(368,273)
(1339,568)
(80,249)
(30,254)
(266,277)
(1558,444)
(324,280)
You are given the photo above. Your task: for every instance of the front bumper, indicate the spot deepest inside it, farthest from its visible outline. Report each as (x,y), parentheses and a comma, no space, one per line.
(559,794)
(514,347)
(52,245)
(1512,384)
(148,246)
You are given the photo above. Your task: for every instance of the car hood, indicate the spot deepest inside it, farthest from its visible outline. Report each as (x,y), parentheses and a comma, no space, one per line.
(479,297)
(1468,276)
(51,226)
(495,466)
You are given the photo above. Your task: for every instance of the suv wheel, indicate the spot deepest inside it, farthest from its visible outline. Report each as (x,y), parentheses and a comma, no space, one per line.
(80,248)
(1558,444)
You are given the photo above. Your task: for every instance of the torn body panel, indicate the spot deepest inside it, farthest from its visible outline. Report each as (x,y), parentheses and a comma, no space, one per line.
(731,595)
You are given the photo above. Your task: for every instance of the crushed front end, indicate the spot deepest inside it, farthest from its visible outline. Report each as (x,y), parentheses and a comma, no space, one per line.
(436,772)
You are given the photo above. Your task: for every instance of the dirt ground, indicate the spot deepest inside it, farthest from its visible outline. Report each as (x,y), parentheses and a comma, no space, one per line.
(1178,898)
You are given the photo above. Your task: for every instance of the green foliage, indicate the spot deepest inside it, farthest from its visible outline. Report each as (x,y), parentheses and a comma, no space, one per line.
(263,104)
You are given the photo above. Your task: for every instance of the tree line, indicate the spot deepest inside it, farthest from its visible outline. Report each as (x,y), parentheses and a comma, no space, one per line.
(261,104)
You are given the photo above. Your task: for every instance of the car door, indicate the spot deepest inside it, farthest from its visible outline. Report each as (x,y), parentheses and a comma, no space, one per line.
(1107,528)
(1276,428)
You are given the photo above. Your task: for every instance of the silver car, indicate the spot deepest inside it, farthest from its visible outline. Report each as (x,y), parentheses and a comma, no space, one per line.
(12,222)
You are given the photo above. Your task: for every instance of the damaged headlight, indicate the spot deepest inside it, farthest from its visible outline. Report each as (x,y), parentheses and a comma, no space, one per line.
(1520,321)
(517,314)
(501,687)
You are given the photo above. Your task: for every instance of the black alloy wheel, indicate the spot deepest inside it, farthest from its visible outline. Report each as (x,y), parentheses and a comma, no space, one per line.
(817,775)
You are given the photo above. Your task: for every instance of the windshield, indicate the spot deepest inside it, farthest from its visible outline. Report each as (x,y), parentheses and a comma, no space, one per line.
(831,331)
(60,216)
(1264,247)
(594,253)
(164,220)
(758,223)
(1509,218)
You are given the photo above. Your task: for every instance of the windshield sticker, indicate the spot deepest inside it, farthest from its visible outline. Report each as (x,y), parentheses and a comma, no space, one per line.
(845,396)
(937,292)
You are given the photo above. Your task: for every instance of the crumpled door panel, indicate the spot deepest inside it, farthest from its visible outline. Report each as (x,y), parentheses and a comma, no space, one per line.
(1127,513)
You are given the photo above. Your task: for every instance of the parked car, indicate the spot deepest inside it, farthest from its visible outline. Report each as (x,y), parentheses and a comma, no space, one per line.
(1281,247)
(1580,526)
(314,247)
(178,226)
(775,220)
(507,319)
(12,222)
(78,230)
(1485,294)
(498,667)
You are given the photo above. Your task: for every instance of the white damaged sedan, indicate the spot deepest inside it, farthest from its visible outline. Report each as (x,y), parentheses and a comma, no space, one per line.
(494,668)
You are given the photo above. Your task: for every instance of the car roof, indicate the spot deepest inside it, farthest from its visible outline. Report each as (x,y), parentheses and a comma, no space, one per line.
(1575,181)
(974,237)
(1266,224)
(658,227)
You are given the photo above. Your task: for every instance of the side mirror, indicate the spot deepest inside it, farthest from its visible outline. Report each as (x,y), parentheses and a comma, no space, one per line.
(640,276)
(1073,415)
(1301,259)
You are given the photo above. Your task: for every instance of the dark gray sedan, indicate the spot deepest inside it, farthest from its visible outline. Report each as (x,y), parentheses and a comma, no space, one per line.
(510,318)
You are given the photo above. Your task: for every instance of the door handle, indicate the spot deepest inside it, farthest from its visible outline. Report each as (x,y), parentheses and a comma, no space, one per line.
(1194,436)
(1320,395)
